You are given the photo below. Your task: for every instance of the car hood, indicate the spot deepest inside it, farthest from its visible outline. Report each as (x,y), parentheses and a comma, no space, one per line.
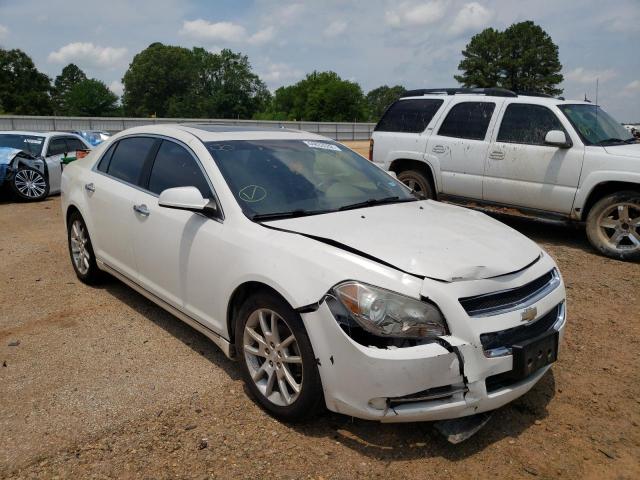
(7,154)
(631,150)
(426,238)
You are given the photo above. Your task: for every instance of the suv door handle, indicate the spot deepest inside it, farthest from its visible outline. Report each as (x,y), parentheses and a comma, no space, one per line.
(142,209)
(438,149)
(496,155)
(90,187)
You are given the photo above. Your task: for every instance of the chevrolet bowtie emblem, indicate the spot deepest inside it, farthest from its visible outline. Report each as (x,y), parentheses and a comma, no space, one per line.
(529,314)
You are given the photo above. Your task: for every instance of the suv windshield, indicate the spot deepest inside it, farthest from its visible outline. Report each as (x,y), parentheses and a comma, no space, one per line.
(273,179)
(28,143)
(595,126)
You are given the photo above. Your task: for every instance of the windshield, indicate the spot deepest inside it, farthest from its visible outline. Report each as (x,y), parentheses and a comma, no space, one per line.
(288,178)
(28,143)
(595,126)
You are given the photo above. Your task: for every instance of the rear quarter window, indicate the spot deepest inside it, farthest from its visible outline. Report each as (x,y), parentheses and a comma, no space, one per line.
(409,116)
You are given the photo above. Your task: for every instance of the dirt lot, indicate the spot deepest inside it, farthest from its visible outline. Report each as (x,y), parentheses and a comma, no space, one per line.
(105,384)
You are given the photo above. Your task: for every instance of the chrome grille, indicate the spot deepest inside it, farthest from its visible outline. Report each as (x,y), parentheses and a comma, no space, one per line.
(504,301)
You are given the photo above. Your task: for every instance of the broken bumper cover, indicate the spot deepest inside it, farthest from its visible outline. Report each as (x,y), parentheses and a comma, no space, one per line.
(435,381)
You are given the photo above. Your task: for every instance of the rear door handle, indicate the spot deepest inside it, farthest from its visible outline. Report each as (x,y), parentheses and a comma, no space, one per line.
(496,155)
(438,149)
(90,187)
(142,209)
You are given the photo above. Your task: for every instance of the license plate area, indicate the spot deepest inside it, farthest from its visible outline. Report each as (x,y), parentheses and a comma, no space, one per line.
(531,355)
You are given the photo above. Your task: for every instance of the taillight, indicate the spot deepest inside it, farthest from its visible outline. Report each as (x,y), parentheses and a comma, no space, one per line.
(371,149)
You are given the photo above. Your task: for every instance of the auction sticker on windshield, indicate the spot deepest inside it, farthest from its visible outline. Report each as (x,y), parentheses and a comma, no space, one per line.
(324,146)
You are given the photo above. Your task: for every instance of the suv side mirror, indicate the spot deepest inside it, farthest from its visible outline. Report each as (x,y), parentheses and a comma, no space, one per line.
(187,198)
(557,138)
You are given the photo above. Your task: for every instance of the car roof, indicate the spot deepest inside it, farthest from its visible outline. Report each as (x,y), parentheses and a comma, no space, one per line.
(517,99)
(216,132)
(36,134)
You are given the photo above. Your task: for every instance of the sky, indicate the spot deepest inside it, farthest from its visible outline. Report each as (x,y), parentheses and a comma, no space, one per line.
(414,43)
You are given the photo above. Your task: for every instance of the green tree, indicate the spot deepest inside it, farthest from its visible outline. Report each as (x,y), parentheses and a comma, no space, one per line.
(380,98)
(158,78)
(521,58)
(70,77)
(23,89)
(321,96)
(90,98)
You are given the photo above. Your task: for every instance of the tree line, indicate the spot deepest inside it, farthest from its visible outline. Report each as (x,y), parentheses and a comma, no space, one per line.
(172,81)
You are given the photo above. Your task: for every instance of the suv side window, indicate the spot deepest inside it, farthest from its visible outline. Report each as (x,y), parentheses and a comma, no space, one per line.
(468,120)
(173,167)
(128,159)
(57,146)
(526,123)
(410,116)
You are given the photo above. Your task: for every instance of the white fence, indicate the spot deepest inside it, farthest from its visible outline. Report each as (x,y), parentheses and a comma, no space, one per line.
(335,130)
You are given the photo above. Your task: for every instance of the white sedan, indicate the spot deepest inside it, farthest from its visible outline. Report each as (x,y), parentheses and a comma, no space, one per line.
(322,274)
(31,162)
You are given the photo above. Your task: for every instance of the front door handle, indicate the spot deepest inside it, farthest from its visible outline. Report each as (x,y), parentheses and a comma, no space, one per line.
(496,155)
(90,187)
(142,209)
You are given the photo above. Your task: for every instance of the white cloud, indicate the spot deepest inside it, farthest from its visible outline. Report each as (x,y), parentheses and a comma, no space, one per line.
(207,31)
(87,53)
(277,73)
(335,28)
(582,75)
(410,14)
(633,86)
(472,16)
(116,87)
(4,32)
(262,36)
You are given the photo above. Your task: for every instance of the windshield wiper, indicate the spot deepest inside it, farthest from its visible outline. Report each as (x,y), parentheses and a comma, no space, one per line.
(290,214)
(377,201)
(610,140)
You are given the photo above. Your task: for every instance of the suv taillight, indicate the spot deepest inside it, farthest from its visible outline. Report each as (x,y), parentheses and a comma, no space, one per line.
(371,149)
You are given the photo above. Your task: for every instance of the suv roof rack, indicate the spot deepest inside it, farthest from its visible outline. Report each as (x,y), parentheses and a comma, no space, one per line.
(490,92)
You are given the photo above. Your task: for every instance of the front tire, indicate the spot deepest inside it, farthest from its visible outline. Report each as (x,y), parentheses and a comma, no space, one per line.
(417,182)
(81,250)
(613,225)
(29,184)
(277,361)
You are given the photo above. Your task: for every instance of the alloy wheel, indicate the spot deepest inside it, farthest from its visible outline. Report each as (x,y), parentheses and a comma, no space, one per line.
(79,247)
(30,183)
(620,226)
(273,357)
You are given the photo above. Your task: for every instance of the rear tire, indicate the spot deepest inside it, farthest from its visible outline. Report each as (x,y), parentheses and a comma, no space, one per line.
(83,259)
(613,225)
(417,182)
(29,184)
(277,361)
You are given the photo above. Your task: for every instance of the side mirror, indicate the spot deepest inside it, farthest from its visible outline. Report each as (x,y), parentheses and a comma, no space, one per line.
(557,138)
(187,198)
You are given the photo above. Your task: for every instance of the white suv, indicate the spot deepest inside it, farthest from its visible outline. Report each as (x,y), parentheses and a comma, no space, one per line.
(548,157)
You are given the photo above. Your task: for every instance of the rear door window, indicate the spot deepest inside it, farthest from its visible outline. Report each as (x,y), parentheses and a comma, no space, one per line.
(75,144)
(128,159)
(57,146)
(528,124)
(173,167)
(468,120)
(410,116)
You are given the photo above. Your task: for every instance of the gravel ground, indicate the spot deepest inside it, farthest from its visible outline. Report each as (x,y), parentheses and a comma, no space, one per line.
(99,382)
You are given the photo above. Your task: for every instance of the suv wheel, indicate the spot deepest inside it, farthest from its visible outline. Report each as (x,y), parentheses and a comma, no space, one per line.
(29,184)
(613,225)
(417,182)
(277,361)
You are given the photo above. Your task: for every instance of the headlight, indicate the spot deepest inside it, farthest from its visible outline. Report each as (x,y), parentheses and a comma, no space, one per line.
(389,314)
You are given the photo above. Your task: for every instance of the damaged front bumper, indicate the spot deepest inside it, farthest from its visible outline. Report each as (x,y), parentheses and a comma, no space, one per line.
(448,378)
